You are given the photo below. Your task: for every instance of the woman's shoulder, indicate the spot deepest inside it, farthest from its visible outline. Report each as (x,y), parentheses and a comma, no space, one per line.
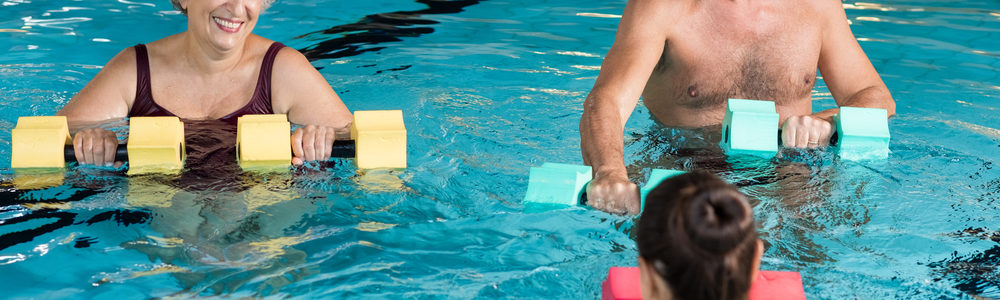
(170,41)
(285,54)
(295,82)
(124,58)
(162,48)
(289,60)
(109,93)
(121,68)
(258,46)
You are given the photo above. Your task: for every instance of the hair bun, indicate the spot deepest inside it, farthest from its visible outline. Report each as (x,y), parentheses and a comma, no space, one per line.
(718,220)
(699,234)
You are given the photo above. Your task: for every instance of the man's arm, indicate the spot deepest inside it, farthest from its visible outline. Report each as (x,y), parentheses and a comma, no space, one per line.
(846,69)
(849,75)
(638,45)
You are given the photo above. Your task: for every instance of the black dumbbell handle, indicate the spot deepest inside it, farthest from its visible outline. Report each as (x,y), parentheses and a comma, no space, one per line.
(833,138)
(121,153)
(341,149)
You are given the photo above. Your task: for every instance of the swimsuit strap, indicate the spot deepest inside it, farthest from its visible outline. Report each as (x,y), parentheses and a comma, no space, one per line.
(143,105)
(264,79)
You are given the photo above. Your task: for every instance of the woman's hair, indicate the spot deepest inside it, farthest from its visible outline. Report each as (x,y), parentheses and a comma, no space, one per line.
(177,5)
(698,233)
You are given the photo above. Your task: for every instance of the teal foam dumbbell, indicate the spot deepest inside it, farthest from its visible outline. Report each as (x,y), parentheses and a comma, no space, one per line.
(555,185)
(862,133)
(655,178)
(750,127)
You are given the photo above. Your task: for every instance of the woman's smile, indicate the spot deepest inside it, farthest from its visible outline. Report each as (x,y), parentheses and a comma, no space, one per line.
(227,25)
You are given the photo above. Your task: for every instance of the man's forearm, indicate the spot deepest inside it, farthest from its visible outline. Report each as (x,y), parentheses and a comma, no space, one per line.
(601,137)
(876,96)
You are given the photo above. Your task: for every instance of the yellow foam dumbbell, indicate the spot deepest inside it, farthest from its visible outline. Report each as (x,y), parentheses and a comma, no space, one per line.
(39,142)
(155,143)
(37,149)
(259,141)
(380,137)
(378,140)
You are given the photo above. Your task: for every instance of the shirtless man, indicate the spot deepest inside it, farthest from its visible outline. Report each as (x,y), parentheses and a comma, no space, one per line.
(687,57)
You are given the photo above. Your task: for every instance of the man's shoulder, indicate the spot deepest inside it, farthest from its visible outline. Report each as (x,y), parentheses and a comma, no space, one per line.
(825,4)
(660,12)
(825,9)
(664,5)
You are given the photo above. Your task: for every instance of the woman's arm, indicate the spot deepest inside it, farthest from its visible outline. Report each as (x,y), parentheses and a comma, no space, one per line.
(107,96)
(300,91)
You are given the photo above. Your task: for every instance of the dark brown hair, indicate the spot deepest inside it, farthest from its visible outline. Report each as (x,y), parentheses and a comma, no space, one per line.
(698,233)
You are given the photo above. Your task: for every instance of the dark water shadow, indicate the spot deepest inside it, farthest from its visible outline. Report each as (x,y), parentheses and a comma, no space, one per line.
(363,35)
(976,273)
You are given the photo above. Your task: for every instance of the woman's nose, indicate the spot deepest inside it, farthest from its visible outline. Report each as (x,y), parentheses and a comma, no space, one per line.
(241,8)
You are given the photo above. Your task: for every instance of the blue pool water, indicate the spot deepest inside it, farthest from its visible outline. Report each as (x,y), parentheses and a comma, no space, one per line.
(489,88)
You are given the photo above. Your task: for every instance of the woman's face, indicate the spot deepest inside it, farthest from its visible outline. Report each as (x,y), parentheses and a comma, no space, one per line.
(224,23)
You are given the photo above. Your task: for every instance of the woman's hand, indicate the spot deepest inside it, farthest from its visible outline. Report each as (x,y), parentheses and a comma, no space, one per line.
(806,132)
(95,146)
(312,143)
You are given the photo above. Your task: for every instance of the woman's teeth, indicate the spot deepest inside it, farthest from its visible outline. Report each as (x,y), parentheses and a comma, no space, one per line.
(227,24)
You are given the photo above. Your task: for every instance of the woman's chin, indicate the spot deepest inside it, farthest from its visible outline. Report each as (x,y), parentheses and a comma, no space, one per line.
(228,43)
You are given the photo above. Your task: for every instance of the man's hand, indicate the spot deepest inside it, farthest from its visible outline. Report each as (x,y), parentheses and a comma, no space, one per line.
(312,143)
(613,194)
(806,132)
(95,146)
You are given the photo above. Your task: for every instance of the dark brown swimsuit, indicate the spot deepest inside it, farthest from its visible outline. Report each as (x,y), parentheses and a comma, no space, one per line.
(260,103)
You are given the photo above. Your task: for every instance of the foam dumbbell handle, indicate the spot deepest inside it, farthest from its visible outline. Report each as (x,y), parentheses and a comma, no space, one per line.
(121,153)
(833,139)
(343,149)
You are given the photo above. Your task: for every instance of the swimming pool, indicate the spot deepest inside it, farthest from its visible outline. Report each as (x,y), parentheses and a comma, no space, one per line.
(489,88)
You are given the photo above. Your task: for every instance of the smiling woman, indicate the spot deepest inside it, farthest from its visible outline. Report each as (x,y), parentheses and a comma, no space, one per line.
(225,70)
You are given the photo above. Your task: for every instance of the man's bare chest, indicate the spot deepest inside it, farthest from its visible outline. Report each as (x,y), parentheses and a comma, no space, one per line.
(702,66)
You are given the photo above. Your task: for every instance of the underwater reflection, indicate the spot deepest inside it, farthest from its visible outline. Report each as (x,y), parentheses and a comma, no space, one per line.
(798,196)
(219,227)
(213,227)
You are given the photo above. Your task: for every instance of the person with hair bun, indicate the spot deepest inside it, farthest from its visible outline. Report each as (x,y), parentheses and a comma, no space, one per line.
(697,239)
(215,70)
